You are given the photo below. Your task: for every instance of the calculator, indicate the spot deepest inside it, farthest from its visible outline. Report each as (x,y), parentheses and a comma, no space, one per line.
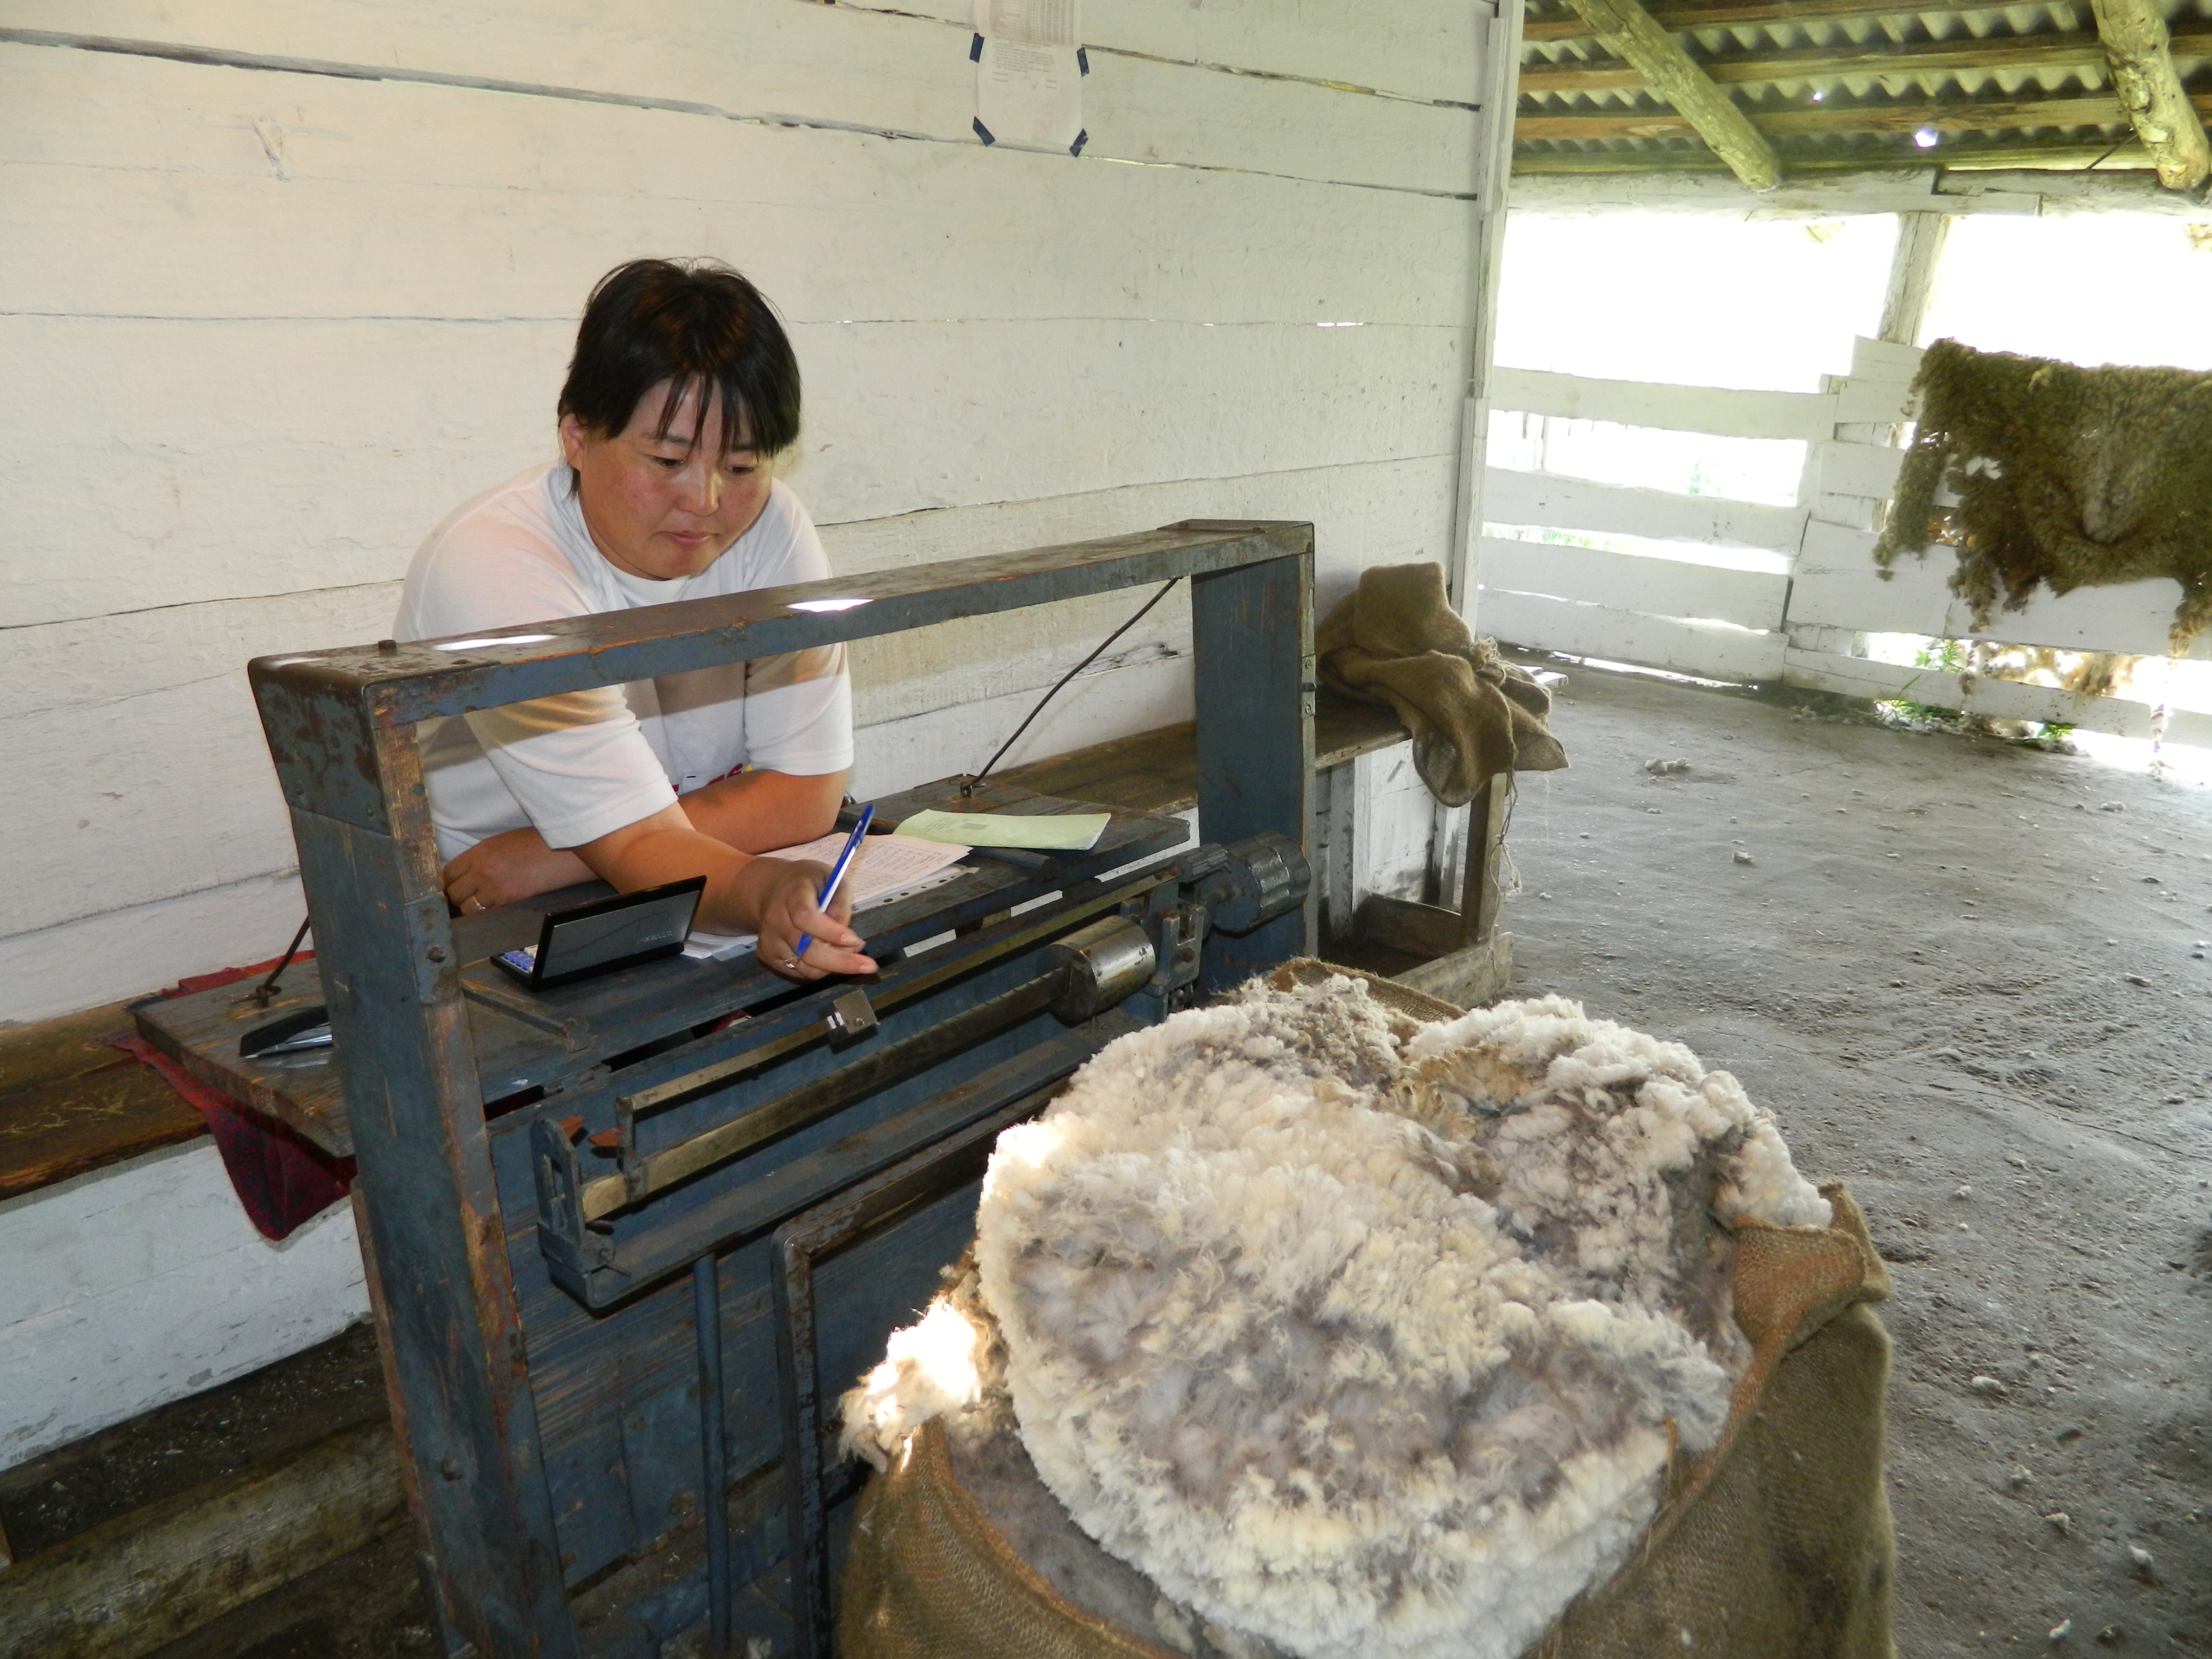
(585,940)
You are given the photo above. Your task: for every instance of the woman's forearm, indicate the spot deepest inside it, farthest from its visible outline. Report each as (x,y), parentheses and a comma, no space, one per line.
(719,829)
(667,847)
(762,812)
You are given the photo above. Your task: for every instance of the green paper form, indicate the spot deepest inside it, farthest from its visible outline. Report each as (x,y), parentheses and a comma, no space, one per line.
(1066,832)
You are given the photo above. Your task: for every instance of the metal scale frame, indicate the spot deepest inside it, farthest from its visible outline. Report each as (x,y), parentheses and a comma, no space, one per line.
(627,1241)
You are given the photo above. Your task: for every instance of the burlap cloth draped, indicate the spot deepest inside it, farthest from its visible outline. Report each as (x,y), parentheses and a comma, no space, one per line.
(1777,1544)
(1395,640)
(2066,477)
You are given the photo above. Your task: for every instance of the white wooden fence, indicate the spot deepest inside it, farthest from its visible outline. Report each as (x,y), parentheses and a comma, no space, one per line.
(1806,627)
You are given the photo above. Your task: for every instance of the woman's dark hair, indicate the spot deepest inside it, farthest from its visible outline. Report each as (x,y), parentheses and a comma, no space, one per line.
(699,326)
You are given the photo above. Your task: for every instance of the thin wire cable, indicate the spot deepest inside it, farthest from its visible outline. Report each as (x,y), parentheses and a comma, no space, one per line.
(267,989)
(968,785)
(1509,872)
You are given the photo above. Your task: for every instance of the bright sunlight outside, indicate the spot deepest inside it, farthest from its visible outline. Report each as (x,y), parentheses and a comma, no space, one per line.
(1760,307)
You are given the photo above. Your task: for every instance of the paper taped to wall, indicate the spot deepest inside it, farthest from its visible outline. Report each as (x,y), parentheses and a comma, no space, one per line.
(1028,96)
(1028,74)
(884,868)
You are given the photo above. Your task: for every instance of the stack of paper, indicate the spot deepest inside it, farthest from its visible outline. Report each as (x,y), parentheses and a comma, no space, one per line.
(884,868)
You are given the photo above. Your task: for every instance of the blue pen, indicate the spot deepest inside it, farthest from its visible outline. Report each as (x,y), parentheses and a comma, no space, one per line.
(836,875)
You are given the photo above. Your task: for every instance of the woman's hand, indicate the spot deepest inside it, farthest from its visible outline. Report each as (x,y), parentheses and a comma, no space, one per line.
(505,867)
(780,894)
(772,897)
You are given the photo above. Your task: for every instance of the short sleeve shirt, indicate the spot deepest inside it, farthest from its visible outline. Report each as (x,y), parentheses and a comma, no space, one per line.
(585,764)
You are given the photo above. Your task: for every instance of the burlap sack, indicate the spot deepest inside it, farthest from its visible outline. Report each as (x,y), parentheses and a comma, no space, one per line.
(1775,1545)
(1396,640)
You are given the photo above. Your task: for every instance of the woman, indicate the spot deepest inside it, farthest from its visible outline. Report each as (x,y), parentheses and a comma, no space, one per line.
(683,393)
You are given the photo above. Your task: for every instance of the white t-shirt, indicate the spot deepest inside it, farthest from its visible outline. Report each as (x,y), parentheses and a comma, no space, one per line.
(583,765)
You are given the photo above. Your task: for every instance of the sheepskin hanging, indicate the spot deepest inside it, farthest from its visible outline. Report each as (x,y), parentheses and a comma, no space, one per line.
(1355,1336)
(2066,477)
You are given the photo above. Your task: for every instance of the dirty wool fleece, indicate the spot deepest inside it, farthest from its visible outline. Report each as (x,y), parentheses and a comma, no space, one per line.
(2066,477)
(1361,1337)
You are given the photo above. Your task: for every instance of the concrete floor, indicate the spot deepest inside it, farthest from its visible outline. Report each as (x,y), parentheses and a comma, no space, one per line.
(1969,979)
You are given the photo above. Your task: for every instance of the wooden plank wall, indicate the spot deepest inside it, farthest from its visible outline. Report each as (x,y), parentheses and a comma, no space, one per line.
(144,1282)
(283,283)
(1697,618)
(1805,627)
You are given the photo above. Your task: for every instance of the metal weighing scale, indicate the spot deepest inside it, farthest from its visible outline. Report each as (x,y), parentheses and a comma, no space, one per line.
(628,1240)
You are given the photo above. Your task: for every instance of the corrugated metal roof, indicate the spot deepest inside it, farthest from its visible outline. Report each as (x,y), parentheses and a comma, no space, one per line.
(1845,83)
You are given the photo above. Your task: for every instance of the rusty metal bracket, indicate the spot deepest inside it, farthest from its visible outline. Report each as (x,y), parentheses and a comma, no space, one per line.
(851,1017)
(436,970)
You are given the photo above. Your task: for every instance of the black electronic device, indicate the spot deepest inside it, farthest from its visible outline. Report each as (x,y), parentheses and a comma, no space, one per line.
(587,939)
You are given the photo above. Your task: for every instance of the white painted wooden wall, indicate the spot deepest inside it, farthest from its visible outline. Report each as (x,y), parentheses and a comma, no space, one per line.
(145,1282)
(1804,626)
(283,282)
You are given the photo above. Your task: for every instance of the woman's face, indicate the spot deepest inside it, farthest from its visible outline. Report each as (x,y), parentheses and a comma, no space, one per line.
(657,505)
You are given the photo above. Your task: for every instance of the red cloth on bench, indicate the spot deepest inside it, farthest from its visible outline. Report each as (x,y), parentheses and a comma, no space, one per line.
(282,1178)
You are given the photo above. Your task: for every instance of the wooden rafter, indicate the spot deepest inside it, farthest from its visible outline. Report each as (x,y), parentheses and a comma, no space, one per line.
(2143,77)
(2129,157)
(1628,32)
(1920,239)
(2068,51)
(1995,115)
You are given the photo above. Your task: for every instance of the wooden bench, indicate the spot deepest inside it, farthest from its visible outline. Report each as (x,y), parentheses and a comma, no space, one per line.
(70,1103)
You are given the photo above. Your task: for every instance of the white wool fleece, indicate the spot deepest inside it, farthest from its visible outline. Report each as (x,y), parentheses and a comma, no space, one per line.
(1369,1349)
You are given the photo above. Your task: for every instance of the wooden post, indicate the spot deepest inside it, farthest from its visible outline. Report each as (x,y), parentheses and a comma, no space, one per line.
(1501,72)
(1920,238)
(1479,897)
(1494,161)
(1628,32)
(2143,77)
(428,1201)
(433,1233)
(1252,646)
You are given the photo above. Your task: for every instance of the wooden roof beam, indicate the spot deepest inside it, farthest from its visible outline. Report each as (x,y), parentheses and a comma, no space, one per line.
(2069,158)
(1626,30)
(1995,115)
(2150,90)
